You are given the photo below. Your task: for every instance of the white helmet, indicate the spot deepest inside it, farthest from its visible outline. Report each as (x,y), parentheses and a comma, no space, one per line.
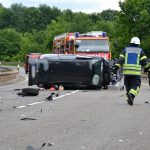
(135,40)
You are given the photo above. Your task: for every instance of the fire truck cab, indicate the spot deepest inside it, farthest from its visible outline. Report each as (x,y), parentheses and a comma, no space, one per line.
(94,43)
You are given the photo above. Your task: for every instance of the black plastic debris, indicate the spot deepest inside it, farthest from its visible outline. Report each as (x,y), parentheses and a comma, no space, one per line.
(53,94)
(14,106)
(40,148)
(29,92)
(50,97)
(146,102)
(57,95)
(28,119)
(50,144)
(43,144)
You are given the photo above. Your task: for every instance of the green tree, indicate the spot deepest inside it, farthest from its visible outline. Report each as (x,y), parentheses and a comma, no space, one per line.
(5,18)
(134,17)
(32,43)
(46,15)
(109,15)
(9,43)
(56,27)
(81,23)
(17,17)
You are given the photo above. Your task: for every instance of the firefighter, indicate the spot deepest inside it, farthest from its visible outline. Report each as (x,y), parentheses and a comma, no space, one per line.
(132,58)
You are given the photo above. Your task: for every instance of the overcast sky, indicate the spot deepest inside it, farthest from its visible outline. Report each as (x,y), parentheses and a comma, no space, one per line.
(87,6)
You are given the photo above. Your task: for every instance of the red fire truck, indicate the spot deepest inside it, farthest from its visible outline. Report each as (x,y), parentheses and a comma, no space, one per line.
(94,43)
(29,58)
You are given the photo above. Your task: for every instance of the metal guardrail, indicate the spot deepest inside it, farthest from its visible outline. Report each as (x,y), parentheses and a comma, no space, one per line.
(9,76)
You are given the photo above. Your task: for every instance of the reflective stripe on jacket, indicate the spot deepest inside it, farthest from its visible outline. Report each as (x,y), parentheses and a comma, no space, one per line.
(132,61)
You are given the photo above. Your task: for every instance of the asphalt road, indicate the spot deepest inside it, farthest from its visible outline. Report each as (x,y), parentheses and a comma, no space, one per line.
(76,120)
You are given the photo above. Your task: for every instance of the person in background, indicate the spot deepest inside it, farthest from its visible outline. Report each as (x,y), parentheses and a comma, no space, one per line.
(131,59)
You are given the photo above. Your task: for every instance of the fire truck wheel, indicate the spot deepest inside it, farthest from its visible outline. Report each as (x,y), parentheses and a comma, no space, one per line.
(30,92)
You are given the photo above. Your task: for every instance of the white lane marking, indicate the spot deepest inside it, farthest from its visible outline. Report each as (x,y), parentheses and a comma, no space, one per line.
(35,103)
(117,84)
(16,83)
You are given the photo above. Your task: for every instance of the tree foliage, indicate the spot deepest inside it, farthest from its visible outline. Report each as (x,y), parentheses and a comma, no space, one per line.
(135,19)
(32,29)
(9,43)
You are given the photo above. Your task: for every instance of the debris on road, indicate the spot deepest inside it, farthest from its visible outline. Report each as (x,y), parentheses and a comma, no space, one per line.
(83,147)
(57,95)
(43,145)
(50,97)
(50,144)
(28,119)
(120,140)
(146,102)
(29,92)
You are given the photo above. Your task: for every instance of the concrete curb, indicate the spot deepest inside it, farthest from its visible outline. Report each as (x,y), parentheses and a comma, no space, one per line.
(9,76)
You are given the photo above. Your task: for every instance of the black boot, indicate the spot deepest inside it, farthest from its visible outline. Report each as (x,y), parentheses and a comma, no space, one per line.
(130,98)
